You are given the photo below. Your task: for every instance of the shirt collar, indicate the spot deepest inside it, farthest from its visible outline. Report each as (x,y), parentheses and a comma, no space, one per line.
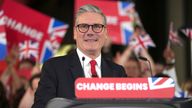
(87,59)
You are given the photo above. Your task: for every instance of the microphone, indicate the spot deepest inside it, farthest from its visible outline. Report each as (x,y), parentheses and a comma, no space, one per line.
(145,59)
(83,59)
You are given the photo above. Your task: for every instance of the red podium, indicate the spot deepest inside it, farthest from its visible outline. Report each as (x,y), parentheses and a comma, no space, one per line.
(134,88)
(121,93)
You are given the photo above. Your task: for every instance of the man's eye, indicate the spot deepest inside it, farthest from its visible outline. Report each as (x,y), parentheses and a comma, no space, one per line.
(97,26)
(84,26)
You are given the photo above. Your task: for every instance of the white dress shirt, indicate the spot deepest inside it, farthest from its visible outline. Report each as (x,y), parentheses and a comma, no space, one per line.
(86,65)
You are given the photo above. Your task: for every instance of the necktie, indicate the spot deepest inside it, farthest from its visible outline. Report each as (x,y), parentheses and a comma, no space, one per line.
(93,71)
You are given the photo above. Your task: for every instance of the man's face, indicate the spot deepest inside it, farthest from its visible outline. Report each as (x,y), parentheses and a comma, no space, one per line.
(90,41)
(25,65)
(132,68)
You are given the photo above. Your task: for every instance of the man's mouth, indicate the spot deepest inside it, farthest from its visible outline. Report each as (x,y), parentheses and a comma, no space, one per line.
(91,40)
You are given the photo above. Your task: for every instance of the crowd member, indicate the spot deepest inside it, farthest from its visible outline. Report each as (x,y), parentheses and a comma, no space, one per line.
(24,73)
(187,87)
(28,98)
(4,103)
(60,73)
(159,67)
(16,75)
(132,66)
(6,76)
(135,67)
(107,49)
(170,70)
(147,67)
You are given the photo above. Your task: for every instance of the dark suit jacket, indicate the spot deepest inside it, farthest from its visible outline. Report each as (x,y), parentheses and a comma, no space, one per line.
(59,74)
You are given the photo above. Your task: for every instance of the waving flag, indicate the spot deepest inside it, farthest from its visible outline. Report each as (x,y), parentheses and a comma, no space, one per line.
(187,32)
(47,51)
(125,7)
(28,49)
(173,36)
(140,42)
(24,23)
(160,83)
(3,41)
(126,32)
(57,31)
(119,23)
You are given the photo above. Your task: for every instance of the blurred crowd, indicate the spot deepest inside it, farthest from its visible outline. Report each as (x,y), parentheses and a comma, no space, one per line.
(19,80)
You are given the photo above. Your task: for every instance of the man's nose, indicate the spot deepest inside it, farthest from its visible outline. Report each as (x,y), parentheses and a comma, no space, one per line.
(90,31)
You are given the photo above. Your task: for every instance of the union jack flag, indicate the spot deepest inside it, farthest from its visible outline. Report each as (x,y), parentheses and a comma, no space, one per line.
(173,36)
(140,42)
(28,49)
(126,23)
(56,31)
(126,32)
(3,41)
(187,32)
(160,83)
(125,7)
(47,51)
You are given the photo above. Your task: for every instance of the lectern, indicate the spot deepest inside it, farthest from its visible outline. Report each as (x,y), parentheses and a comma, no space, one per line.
(119,103)
(122,93)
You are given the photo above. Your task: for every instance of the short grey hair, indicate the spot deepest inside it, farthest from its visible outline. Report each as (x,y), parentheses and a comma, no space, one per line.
(90,8)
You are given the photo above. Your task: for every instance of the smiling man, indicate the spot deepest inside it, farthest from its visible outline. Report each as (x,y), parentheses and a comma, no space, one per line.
(60,73)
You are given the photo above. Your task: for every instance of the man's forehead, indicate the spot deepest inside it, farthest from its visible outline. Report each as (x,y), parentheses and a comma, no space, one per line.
(90,17)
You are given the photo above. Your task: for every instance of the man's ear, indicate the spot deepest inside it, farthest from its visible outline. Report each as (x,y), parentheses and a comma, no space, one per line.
(74,33)
(106,34)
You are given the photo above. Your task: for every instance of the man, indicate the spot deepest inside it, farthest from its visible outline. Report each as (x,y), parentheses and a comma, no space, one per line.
(59,74)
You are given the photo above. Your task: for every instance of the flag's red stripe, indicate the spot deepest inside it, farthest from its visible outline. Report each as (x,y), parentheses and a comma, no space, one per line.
(161,81)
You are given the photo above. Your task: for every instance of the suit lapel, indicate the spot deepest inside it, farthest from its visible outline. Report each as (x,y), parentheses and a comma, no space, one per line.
(75,66)
(105,69)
